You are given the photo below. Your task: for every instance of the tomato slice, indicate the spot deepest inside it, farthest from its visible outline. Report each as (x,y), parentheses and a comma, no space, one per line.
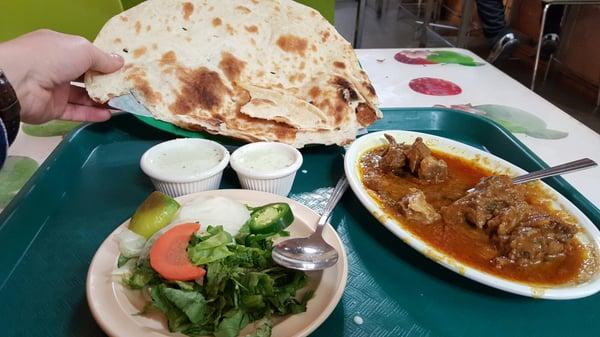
(169,257)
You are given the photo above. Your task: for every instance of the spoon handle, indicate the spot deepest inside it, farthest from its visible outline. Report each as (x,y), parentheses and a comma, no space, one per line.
(556,170)
(335,196)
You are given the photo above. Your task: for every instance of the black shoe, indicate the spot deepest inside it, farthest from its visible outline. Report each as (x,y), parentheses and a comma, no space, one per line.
(503,48)
(549,45)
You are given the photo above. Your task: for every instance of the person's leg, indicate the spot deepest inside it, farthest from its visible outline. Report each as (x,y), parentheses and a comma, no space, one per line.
(498,34)
(493,23)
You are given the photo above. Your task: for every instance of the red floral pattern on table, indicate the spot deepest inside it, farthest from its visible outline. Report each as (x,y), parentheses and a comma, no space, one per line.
(402,57)
(434,86)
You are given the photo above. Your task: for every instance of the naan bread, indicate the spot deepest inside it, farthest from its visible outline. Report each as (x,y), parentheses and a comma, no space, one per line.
(257,70)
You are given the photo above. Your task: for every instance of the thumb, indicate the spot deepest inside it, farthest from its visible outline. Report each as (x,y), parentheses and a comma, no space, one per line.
(105,62)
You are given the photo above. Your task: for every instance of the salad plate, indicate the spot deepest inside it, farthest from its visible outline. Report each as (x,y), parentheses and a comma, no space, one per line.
(587,233)
(117,309)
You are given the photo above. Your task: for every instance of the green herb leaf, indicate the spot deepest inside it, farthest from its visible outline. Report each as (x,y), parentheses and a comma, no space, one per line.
(191,303)
(122,260)
(178,320)
(141,276)
(212,247)
(263,330)
(234,321)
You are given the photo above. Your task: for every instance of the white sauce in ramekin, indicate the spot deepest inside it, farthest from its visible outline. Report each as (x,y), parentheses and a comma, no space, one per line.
(267,166)
(266,160)
(187,160)
(184,160)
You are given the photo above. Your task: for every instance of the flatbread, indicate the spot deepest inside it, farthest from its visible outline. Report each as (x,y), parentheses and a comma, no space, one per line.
(271,70)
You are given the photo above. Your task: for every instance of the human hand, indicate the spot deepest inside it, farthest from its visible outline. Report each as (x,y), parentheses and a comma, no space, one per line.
(40,66)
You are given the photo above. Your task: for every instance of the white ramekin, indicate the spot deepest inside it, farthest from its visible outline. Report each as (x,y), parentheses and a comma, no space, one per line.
(278,181)
(176,185)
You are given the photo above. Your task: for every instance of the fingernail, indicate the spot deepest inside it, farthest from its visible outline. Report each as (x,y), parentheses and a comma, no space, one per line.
(116,56)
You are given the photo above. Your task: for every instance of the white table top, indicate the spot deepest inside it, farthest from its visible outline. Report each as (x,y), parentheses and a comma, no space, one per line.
(484,85)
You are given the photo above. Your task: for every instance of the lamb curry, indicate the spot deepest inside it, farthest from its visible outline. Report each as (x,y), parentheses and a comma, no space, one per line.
(480,219)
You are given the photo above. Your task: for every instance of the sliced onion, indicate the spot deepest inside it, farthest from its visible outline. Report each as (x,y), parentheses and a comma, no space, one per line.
(215,211)
(130,243)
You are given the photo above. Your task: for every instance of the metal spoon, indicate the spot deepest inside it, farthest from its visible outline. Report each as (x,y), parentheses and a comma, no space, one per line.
(569,167)
(311,253)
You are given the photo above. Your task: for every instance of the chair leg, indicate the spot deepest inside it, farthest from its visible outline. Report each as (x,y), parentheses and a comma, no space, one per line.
(547,69)
(539,46)
(360,23)
(425,24)
(465,23)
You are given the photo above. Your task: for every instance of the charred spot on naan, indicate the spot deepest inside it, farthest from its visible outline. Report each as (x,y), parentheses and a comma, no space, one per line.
(187,10)
(262,101)
(346,91)
(201,88)
(365,115)
(138,27)
(324,36)
(296,77)
(251,29)
(168,59)
(139,52)
(314,92)
(243,9)
(339,64)
(138,77)
(292,44)
(369,88)
(283,132)
(216,22)
(229,28)
(117,40)
(231,66)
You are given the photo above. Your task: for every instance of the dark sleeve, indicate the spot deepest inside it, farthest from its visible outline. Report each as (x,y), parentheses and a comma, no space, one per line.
(9,116)
(3,144)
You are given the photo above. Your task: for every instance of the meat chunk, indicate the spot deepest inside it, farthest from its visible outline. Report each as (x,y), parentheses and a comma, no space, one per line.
(489,196)
(416,158)
(393,159)
(522,234)
(414,206)
(433,170)
(539,238)
(416,153)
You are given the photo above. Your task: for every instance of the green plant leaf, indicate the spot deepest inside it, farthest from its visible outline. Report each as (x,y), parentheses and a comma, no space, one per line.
(14,174)
(50,129)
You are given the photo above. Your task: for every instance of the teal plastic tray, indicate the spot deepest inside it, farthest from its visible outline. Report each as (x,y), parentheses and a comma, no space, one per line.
(92,182)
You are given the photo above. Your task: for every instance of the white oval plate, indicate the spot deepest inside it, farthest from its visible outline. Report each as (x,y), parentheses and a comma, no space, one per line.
(484,159)
(114,307)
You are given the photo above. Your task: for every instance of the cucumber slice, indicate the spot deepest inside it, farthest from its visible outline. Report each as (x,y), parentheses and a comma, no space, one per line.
(271,218)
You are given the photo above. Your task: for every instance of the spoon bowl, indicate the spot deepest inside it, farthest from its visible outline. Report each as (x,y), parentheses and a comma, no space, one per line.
(313,252)
(310,253)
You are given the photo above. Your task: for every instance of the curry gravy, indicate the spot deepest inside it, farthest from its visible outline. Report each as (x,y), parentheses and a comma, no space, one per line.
(466,243)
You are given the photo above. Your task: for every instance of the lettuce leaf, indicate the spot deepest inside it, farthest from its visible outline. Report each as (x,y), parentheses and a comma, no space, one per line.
(211,247)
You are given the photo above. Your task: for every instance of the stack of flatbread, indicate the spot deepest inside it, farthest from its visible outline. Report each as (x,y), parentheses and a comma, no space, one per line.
(256,70)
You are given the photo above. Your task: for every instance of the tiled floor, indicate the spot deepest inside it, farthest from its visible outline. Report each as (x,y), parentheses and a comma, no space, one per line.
(397,28)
